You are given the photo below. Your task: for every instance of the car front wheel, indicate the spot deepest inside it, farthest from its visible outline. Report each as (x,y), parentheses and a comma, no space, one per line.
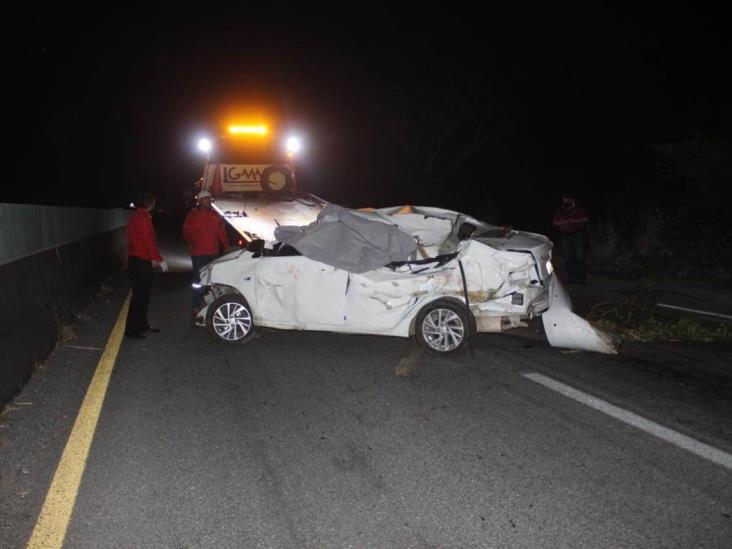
(230,320)
(442,327)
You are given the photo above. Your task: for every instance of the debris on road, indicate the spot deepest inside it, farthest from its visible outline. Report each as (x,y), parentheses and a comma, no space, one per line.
(408,364)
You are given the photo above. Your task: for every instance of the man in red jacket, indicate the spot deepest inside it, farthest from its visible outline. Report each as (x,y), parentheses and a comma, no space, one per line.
(571,219)
(142,255)
(204,231)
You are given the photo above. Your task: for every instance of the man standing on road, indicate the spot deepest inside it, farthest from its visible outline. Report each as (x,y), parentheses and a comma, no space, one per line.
(204,231)
(572,219)
(142,256)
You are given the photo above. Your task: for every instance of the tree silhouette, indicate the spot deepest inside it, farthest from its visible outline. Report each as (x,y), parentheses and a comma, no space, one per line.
(438,120)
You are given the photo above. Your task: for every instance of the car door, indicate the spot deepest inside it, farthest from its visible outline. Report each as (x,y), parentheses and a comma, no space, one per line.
(297,292)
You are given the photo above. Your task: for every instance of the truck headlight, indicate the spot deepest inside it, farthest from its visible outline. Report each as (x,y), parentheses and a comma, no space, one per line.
(549,267)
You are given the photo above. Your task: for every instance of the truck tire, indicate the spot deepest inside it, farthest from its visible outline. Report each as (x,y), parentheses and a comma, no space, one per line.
(276,179)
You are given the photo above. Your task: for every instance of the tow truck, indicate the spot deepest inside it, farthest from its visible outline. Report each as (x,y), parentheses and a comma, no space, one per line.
(250,173)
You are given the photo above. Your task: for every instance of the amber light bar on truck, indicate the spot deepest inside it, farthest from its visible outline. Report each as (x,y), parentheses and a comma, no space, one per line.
(248,130)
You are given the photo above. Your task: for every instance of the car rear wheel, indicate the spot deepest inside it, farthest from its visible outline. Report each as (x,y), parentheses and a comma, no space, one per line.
(442,327)
(230,320)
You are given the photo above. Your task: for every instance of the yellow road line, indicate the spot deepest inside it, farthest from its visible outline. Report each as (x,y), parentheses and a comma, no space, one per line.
(50,529)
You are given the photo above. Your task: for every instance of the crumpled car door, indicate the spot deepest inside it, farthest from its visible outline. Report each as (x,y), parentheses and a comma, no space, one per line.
(298,292)
(380,300)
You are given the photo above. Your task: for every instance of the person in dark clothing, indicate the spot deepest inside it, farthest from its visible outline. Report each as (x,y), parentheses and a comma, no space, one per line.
(572,219)
(142,256)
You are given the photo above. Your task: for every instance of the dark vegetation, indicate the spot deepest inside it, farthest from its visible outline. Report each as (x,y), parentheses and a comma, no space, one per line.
(638,319)
(684,230)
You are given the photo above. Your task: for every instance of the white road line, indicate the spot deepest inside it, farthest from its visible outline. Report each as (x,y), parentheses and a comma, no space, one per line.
(669,435)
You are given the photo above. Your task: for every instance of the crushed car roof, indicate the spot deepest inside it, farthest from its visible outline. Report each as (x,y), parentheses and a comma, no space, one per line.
(353,240)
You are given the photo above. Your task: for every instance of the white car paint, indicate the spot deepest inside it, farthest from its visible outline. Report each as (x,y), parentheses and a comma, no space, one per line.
(563,328)
(507,273)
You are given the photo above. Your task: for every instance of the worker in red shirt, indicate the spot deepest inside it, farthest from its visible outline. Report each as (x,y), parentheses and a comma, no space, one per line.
(142,256)
(572,220)
(204,231)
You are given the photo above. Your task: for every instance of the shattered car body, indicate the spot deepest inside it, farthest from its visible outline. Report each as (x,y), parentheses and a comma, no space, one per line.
(430,273)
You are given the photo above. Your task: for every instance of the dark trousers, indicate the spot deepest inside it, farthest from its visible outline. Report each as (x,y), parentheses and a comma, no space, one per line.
(573,248)
(200,261)
(140,272)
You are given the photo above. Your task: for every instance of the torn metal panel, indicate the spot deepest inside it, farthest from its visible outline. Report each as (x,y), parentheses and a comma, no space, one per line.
(488,324)
(349,239)
(430,231)
(299,291)
(565,329)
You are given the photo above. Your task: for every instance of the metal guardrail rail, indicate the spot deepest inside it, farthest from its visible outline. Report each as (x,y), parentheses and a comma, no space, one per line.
(26,229)
(694,311)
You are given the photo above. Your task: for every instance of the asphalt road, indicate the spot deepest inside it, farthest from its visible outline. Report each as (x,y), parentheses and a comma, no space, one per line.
(305,439)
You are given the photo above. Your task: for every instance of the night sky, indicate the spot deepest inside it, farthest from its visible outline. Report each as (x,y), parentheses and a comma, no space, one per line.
(550,99)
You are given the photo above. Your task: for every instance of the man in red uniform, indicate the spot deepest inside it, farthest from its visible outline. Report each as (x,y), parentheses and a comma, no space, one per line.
(204,231)
(142,255)
(571,219)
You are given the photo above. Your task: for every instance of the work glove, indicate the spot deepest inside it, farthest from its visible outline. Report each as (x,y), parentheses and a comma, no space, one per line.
(163,265)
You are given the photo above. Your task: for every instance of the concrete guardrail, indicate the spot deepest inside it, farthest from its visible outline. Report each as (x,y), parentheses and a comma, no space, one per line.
(51,258)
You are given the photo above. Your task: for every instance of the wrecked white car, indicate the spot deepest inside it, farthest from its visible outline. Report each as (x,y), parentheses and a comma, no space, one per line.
(433,274)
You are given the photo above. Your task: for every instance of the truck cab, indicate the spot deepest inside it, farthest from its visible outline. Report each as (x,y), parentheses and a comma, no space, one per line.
(250,160)
(250,173)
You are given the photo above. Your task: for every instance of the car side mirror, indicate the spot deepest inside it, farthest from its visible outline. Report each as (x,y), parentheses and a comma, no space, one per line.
(256,247)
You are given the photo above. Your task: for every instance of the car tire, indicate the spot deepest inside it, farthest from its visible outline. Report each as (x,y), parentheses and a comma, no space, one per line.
(230,321)
(276,179)
(442,327)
